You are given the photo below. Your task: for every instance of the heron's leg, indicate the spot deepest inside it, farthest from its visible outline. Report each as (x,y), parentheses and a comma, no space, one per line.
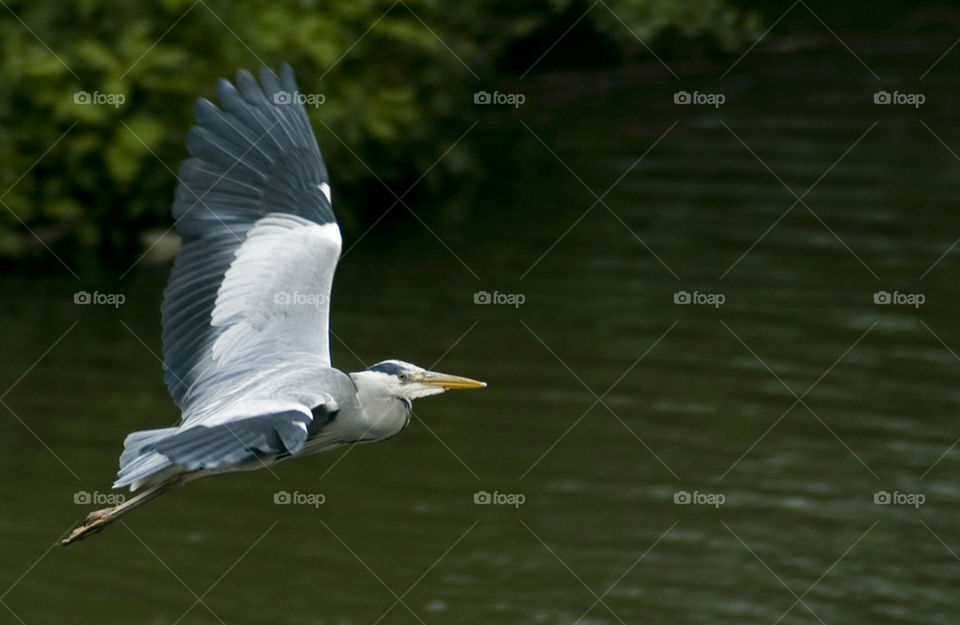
(98,519)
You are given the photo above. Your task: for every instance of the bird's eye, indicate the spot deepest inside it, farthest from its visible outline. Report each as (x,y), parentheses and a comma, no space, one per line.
(403,376)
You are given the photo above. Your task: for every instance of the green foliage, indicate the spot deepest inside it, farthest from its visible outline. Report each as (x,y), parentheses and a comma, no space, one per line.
(730,28)
(91,171)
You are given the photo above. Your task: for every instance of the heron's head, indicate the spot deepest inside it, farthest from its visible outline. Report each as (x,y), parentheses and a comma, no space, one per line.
(407,381)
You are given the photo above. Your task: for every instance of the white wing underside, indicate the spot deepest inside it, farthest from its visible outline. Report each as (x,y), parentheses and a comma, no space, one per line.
(276,293)
(274,311)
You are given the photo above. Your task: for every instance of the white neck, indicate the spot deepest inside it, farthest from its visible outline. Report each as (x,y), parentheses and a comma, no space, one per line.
(385,414)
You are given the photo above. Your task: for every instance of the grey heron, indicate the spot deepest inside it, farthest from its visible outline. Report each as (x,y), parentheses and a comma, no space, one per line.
(246,310)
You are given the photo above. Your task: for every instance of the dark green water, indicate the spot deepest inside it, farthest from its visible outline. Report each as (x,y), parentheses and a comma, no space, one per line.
(695,398)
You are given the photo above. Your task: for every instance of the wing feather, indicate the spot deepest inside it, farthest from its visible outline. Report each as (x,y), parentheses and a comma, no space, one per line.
(254,212)
(247,361)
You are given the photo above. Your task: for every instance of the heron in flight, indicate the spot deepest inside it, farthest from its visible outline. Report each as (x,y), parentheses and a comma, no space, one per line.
(246,311)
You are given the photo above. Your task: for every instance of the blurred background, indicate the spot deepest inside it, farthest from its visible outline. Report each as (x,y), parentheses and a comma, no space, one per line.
(703,251)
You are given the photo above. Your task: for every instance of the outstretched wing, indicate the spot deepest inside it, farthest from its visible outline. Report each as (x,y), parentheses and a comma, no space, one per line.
(250,288)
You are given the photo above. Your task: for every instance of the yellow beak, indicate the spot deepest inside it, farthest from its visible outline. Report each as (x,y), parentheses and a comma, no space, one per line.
(445,381)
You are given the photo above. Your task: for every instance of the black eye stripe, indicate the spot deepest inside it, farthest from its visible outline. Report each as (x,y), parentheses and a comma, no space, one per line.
(387,367)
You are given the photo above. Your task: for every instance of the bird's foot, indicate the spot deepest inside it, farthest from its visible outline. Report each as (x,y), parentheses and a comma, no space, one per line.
(95,521)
